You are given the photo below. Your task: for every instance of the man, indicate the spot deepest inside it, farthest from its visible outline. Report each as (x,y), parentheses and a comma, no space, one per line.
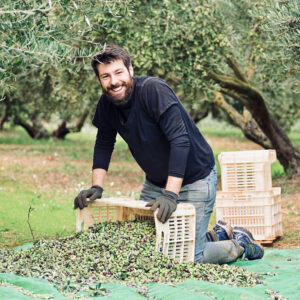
(178,163)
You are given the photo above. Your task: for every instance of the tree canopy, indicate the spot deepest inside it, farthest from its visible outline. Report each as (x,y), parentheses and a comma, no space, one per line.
(56,32)
(241,57)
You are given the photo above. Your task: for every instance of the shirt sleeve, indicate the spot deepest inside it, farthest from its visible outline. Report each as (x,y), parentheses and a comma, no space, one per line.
(163,106)
(157,97)
(173,126)
(105,140)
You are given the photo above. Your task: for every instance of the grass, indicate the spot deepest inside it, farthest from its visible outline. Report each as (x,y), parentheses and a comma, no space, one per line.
(219,128)
(47,175)
(48,215)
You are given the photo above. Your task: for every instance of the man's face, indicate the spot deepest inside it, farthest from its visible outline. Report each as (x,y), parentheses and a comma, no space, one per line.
(116,81)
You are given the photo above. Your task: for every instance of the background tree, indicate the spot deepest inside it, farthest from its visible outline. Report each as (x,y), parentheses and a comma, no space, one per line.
(264,71)
(202,47)
(45,53)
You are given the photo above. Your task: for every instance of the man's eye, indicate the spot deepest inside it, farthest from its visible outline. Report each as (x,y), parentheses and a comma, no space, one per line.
(119,72)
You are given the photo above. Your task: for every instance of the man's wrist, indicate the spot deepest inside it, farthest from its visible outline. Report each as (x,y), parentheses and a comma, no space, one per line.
(98,187)
(171,195)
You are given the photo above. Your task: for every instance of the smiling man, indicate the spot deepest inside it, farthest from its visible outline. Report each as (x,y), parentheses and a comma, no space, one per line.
(178,162)
(116,81)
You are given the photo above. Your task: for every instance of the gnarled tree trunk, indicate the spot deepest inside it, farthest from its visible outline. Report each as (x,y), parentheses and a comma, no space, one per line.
(35,128)
(270,134)
(63,129)
(245,122)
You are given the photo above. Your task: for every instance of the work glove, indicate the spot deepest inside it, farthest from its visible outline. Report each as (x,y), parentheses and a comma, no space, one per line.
(94,192)
(167,204)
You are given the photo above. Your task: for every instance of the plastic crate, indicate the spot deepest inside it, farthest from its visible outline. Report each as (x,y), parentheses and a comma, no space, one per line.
(246,170)
(259,212)
(175,238)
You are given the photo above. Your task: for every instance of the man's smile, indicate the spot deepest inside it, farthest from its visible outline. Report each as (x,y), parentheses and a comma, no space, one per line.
(117,89)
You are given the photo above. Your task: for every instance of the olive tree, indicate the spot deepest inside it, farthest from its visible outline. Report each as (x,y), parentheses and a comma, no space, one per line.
(263,73)
(222,52)
(45,53)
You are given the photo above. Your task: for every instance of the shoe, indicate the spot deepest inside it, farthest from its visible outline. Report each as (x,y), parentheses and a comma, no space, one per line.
(245,239)
(223,231)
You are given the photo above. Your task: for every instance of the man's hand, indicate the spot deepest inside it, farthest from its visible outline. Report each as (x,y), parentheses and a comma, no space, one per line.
(167,204)
(95,192)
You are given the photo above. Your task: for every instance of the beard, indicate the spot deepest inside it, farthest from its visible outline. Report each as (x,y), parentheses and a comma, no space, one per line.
(120,102)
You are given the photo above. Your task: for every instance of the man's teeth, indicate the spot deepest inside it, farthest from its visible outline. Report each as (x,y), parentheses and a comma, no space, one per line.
(117,89)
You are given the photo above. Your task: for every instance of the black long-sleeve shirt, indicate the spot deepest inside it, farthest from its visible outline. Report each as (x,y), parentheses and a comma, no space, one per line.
(160,134)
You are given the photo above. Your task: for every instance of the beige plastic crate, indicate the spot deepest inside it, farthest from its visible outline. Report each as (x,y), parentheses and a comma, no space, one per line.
(259,212)
(175,238)
(246,170)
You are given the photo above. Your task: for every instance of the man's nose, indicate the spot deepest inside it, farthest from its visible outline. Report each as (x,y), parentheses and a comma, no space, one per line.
(113,80)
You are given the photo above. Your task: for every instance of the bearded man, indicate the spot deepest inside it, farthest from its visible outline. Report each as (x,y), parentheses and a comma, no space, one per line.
(178,163)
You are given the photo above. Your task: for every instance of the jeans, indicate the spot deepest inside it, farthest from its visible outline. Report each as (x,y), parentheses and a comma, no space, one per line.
(202,194)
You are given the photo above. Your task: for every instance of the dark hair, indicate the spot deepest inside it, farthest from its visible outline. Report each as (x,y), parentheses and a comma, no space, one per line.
(109,54)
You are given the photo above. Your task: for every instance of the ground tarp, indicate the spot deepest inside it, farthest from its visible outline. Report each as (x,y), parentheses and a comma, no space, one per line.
(282,279)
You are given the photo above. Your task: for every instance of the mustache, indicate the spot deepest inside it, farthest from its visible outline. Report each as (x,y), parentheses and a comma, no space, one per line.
(114,86)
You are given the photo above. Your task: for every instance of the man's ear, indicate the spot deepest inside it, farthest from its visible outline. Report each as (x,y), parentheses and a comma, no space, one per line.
(131,70)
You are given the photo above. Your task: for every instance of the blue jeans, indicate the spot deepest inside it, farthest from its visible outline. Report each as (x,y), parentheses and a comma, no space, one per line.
(202,194)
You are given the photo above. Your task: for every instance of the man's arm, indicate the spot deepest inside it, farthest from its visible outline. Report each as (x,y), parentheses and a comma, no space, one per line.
(174,184)
(98,177)
(105,140)
(165,109)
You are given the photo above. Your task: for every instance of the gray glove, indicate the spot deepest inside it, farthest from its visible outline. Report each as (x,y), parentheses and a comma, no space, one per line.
(167,204)
(94,192)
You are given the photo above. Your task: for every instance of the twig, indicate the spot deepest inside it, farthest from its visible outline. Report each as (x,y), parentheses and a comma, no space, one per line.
(30,209)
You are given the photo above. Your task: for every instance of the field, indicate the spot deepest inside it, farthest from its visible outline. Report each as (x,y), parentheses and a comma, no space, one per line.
(40,179)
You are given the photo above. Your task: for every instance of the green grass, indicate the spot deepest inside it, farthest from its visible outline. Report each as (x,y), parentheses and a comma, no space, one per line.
(218,128)
(52,215)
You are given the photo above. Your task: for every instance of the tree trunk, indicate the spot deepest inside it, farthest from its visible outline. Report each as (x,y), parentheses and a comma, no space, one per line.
(4,114)
(36,130)
(63,130)
(246,123)
(199,114)
(241,90)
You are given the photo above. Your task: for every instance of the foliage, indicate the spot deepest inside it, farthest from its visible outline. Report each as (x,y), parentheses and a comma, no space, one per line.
(55,32)
(179,41)
(264,38)
(45,55)
(174,40)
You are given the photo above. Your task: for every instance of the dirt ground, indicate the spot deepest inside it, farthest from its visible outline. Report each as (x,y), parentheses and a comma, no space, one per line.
(290,208)
(46,172)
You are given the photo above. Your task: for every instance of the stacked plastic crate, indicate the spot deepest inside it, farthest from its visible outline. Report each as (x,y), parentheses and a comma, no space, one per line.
(247,198)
